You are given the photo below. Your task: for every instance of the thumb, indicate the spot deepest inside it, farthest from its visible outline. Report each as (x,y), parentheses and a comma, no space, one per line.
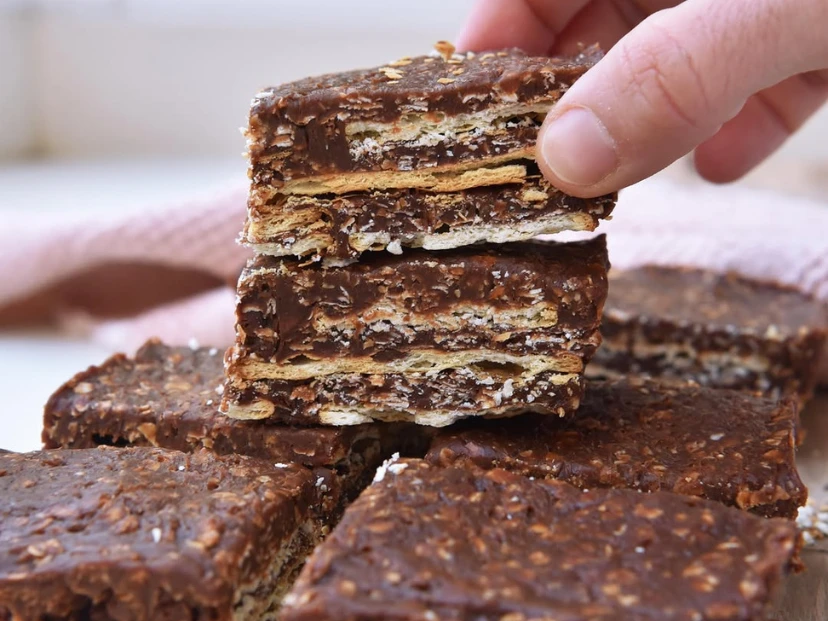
(670,84)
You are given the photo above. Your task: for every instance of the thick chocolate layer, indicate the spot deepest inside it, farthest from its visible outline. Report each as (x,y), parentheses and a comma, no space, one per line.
(451,543)
(343,227)
(148,534)
(718,330)
(406,116)
(531,298)
(427,399)
(649,435)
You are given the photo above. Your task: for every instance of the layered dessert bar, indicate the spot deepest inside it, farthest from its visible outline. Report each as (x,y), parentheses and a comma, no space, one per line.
(461,544)
(647,435)
(428,337)
(168,397)
(147,534)
(433,151)
(716,329)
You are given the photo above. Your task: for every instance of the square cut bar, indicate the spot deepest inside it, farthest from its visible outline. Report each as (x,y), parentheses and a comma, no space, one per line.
(167,397)
(719,330)
(149,534)
(467,545)
(723,445)
(441,123)
(433,152)
(426,336)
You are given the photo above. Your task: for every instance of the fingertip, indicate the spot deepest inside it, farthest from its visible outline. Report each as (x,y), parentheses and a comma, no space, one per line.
(576,153)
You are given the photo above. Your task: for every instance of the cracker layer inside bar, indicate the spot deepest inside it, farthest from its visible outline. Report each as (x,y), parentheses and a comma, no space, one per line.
(496,170)
(342,227)
(422,361)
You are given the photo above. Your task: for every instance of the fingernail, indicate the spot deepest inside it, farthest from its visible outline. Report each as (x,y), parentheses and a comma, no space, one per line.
(578,149)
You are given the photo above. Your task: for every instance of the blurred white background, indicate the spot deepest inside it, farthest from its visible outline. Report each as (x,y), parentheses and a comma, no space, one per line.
(113,105)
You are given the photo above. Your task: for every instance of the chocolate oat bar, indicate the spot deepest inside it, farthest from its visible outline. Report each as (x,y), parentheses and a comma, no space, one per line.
(433,151)
(716,329)
(647,435)
(441,123)
(147,534)
(461,544)
(429,337)
(168,397)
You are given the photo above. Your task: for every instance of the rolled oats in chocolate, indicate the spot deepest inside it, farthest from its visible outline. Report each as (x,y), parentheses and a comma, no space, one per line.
(149,534)
(647,435)
(427,336)
(719,330)
(462,544)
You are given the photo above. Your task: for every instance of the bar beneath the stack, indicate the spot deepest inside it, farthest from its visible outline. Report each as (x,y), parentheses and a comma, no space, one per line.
(719,330)
(460,543)
(724,445)
(429,337)
(168,397)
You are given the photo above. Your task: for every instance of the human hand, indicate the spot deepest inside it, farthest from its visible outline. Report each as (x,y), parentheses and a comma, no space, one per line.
(732,79)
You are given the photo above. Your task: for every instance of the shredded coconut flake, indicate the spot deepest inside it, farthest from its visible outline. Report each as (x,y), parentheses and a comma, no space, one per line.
(193,343)
(387,466)
(813,522)
(156,535)
(280,465)
(213,351)
(394,247)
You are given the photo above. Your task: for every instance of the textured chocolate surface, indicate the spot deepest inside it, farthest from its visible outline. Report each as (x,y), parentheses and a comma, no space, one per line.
(435,543)
(168,397)
(648,435)
(718,330)
(148,534)
(426,399)
(531,298)
(332,124)
(342,227)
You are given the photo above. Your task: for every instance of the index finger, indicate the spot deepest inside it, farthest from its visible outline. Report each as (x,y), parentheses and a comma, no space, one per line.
(530,25)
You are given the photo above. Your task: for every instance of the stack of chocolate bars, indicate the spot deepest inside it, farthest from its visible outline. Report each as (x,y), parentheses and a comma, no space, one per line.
(389,209)
(396,290)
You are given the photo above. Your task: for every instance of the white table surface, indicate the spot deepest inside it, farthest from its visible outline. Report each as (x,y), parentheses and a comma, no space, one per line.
(34,363)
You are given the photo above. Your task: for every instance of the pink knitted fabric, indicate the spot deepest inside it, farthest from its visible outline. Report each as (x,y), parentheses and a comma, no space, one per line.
(757,233)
